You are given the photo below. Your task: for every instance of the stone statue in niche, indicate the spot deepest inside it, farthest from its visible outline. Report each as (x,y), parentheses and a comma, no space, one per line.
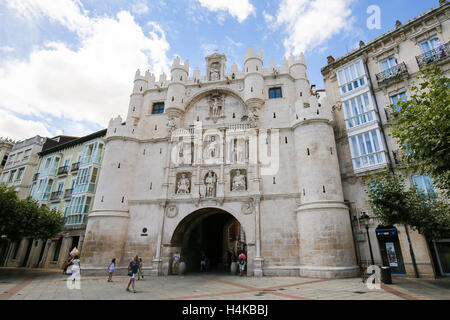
(253,117)
(210,183)
(216,106)
(171,125)
(238,182)
(211,151)
(184,185)
(214,71)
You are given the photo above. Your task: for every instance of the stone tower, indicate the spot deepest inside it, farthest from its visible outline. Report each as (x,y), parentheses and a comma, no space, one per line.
(326,247)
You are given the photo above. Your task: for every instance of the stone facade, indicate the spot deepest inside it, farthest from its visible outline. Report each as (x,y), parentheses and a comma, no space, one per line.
(362,85)
(217,163)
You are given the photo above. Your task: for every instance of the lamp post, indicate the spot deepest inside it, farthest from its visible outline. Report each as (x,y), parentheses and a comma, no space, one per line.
(365,219)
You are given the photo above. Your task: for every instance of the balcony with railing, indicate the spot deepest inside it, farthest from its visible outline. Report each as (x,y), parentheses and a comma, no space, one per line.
(392,74)
(63,170)
(35,177)
(75,167)
(68,194)
(56,195)
(436,55)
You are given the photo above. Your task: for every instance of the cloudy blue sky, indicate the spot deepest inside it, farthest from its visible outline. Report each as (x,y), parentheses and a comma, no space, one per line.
(67,66)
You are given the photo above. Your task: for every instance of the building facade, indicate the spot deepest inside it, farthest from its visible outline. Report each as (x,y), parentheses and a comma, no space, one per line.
(5,148)
(199,158)
(65,179)
(362,85)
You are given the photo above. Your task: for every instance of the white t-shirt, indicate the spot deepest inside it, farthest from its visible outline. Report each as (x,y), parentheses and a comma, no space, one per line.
(76,263)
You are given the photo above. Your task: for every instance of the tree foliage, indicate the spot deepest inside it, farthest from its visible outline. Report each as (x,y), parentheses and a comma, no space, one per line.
(422,126)
(393,203)
(26,218)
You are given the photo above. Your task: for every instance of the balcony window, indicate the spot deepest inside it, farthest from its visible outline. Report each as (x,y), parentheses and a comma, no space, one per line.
(358,111)
(388,63)
(158,108)
(424,185)
(20,174)
(351,77)
(430,44)
(11,175)
(275,93)
(366,149)
(396,99)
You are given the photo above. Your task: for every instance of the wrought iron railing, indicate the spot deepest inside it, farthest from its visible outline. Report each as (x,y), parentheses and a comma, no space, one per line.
(68,193)
(75,166)
(392,74)
(63,170)
(56,195)
(435,55)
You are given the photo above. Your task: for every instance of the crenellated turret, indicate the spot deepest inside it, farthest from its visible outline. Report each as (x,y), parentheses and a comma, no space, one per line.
(176,89)
(253,79)
(137,98)
(322,210)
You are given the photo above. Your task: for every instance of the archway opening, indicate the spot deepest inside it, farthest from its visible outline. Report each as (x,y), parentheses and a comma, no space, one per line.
(209,232)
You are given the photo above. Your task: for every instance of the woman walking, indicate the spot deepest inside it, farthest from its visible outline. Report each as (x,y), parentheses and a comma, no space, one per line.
(133,268)
(76,268)
(112,266)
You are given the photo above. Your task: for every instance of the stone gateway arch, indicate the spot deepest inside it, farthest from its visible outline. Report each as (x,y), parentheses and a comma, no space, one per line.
(216,163)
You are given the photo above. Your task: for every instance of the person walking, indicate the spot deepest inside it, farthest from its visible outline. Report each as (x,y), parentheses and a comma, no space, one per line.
(140,273)
(242,260)
(133,268)
(176,262)
(112,267)
(203,263)
(76,268)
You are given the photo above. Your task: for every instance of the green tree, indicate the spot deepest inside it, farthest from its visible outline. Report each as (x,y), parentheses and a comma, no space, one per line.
(422,126)
(26,218)
(393,203)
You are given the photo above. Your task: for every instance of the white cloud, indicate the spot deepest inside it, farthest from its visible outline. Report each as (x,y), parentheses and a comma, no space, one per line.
(70,13)
(6,49)
(240,9)
(139,8)
(19,129)
(267,17)
(309,23)
(91,83)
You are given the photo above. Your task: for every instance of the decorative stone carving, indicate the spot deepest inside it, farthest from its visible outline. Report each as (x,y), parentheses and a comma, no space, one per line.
(211,150)
(210,184)
(184,184)
(171,125)
(214,71)
(238,182)
(172,211)
(247,207)
(253,117)
(216,104)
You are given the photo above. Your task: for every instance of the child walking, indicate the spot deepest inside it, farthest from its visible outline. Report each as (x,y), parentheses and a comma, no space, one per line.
(112,266)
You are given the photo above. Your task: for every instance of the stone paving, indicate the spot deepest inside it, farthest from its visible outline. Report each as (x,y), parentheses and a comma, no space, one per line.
(36,284)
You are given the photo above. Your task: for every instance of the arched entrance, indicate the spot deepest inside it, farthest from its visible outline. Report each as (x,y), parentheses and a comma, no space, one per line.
(212,232)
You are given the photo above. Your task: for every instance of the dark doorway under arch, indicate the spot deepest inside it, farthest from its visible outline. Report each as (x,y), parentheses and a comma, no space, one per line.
(213,232)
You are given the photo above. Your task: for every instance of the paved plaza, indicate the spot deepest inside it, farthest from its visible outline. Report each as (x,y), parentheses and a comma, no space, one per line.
(36,284)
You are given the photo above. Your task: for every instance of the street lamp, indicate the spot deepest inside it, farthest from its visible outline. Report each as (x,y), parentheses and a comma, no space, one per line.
(365,220)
